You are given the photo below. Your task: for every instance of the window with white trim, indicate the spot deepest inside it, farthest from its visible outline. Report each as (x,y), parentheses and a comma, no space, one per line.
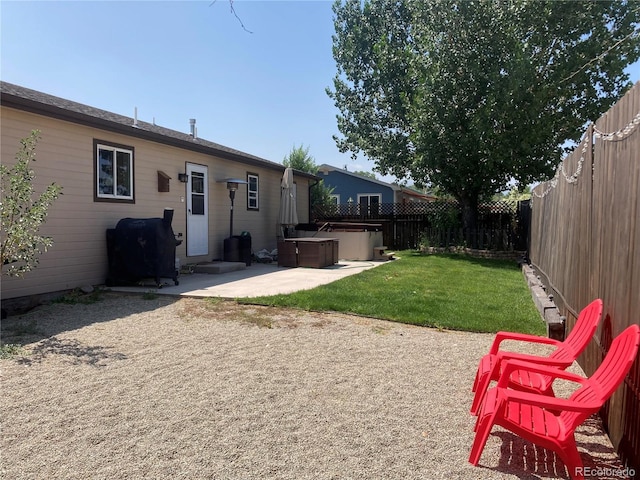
(335,202)
(252,192)
(369,203)
(114,172)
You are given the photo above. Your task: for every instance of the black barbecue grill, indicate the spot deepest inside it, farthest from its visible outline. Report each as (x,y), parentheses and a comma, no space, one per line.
(141,248)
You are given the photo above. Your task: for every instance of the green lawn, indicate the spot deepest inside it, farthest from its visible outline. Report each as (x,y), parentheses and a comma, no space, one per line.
(446,291)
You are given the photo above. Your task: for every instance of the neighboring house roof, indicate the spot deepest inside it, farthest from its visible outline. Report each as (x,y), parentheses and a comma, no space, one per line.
(417,194)
(396,188)
(21,98)
(328,168)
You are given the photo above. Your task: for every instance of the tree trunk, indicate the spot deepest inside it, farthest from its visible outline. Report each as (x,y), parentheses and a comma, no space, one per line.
(470,220)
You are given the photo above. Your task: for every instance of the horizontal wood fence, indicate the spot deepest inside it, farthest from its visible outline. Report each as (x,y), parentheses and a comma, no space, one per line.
(436,224)
(585,244)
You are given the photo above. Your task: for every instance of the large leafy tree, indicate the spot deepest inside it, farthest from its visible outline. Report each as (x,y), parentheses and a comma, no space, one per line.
(300,159)
(468,95)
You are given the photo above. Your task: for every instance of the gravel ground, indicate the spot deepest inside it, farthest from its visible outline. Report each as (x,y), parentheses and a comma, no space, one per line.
(133,388)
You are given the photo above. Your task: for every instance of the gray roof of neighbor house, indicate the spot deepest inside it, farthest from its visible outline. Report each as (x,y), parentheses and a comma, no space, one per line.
(398,188)
(330,168)
(21,98)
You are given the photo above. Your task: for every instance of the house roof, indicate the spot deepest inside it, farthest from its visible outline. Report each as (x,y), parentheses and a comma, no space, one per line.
(21,98)
(329,168)
(415,193)
(397,188)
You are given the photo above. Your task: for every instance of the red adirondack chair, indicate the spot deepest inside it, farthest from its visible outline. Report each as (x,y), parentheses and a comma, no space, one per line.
(548,421)
(564,354)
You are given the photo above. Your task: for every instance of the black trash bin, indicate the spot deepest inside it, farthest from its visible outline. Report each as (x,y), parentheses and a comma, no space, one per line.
(245,248)
(237,248)
(140,248)
(231,249)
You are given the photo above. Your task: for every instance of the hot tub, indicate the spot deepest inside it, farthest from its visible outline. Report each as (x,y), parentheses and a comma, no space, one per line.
(356,240)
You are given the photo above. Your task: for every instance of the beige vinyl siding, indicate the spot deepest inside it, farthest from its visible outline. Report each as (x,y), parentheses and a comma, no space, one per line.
(78,224)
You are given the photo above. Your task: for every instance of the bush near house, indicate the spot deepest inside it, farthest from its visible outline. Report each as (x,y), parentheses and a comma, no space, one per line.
(21,213)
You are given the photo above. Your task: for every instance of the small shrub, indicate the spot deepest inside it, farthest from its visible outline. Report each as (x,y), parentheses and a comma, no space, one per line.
(424,242)
(77,296)
(213,301)
(23,211)
(10,350)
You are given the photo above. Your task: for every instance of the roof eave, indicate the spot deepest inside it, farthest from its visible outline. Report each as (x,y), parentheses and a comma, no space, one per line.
(20,103)
(331,168)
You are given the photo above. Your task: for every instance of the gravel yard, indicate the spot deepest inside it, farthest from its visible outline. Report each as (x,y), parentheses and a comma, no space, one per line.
(159,388)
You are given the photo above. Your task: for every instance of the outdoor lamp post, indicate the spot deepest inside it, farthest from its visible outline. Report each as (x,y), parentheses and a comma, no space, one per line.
(232,185)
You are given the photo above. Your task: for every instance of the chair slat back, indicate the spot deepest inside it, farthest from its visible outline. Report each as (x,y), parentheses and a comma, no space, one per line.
(609,375)
(581,334)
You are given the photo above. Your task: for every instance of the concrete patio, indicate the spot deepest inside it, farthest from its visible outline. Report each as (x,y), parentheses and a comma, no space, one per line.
(259,279)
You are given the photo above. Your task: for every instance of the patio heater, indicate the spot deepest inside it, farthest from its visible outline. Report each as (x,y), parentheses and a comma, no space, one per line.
(232,244)
(232,186)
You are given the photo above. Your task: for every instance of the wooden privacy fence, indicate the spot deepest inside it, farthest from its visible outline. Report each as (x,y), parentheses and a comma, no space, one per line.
(585,244)
(438,224)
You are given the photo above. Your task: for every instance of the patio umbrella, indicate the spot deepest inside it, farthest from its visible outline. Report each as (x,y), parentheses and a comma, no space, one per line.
(288,216)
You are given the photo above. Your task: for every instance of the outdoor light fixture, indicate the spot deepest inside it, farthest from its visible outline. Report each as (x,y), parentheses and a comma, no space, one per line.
(232,185)
(183,177)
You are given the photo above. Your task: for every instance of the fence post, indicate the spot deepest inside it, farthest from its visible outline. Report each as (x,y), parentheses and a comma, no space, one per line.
(523,233)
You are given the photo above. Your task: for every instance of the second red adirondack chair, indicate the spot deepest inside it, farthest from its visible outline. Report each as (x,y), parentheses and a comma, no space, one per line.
(565,353)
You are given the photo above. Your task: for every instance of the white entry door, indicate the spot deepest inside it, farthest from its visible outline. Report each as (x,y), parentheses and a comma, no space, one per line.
(197,211)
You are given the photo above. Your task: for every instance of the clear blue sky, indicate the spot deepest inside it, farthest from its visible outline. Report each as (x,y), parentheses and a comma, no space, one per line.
(260,92)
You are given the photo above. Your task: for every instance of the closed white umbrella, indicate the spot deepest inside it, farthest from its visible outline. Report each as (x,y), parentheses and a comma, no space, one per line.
(288,215)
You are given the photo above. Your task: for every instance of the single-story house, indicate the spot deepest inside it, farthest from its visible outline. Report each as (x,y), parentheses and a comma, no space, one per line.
(113,167)
(367,193)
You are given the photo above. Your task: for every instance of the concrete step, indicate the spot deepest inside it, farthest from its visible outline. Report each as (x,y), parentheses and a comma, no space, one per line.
(380,253)
(219,267)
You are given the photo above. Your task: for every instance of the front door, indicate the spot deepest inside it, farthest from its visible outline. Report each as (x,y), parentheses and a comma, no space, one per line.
(197,211)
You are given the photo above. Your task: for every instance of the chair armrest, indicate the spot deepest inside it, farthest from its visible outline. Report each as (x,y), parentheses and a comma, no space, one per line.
(547,402)
(520,337)
(505,355)
(512,365)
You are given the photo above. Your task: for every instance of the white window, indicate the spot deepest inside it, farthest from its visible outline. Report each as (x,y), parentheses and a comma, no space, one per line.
(252,192)
(114,172)
(335,202)
(198,195)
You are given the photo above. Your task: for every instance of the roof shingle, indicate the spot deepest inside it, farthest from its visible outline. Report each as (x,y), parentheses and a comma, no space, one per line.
(15,96)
